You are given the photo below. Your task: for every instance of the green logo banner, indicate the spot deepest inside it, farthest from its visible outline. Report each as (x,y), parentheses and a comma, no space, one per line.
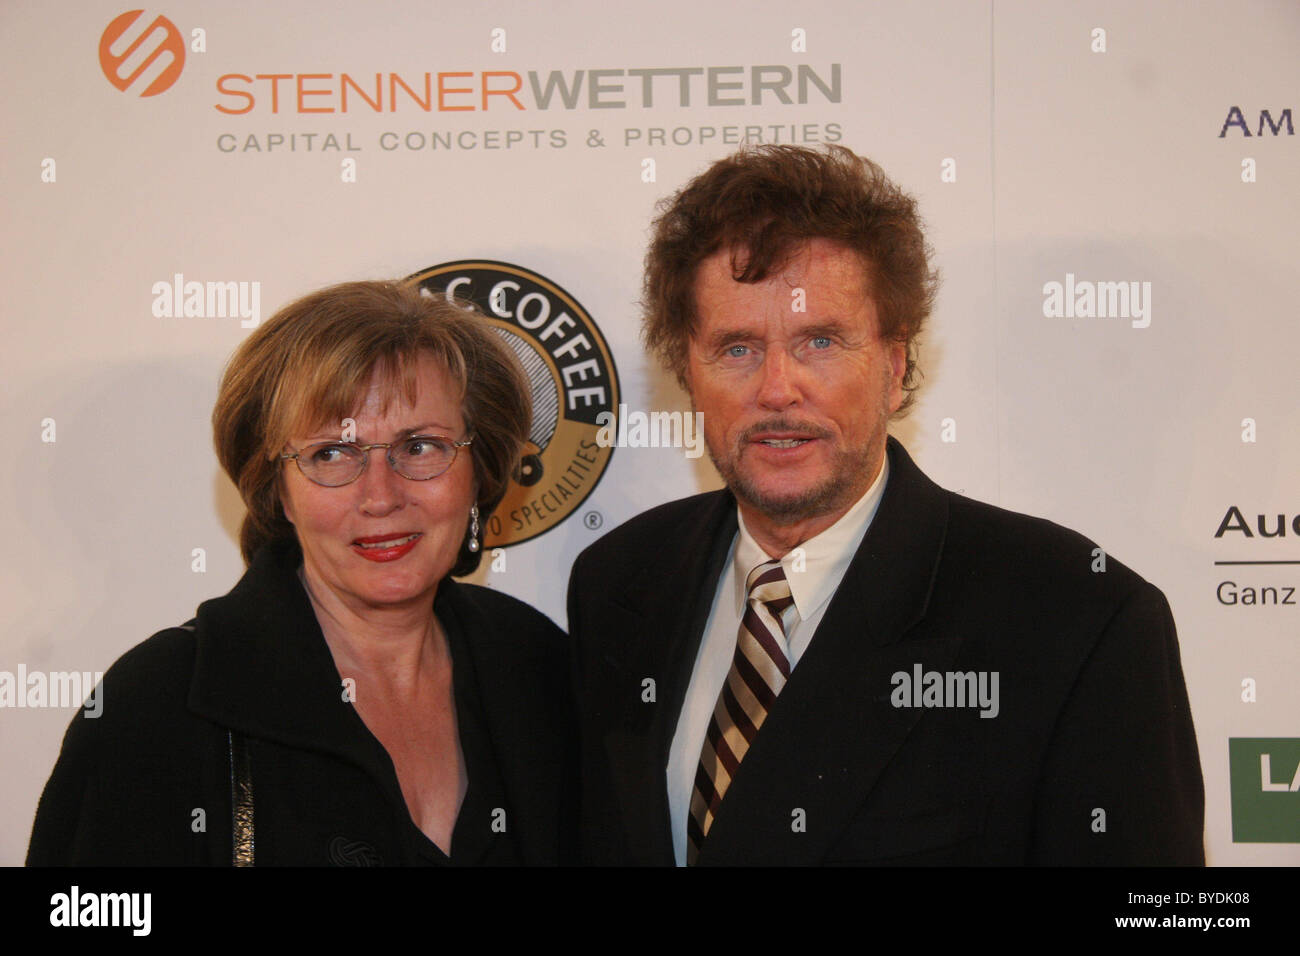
(1265,774)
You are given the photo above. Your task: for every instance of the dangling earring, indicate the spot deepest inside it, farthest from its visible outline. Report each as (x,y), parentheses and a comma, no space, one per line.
(472,544)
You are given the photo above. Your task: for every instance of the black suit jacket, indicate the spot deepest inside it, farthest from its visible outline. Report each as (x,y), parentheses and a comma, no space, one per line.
(1091,758)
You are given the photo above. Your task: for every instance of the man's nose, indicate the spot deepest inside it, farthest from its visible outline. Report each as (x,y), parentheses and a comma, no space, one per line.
(779,386)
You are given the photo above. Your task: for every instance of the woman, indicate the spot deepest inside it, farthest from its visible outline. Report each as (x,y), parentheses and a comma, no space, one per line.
(348,703)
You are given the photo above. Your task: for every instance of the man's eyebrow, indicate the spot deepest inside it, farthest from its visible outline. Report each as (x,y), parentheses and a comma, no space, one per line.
(826,327)
(724,337)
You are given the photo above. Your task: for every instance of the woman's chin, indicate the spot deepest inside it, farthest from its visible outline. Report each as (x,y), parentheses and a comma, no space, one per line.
(398,594)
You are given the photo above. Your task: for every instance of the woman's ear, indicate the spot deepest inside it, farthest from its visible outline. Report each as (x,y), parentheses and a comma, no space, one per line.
(282,492)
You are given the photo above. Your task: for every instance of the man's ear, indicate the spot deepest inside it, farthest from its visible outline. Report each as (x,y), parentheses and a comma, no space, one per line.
(684,376)
(897,352)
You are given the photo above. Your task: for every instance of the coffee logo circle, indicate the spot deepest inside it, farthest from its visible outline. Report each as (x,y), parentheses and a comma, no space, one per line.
(573,379)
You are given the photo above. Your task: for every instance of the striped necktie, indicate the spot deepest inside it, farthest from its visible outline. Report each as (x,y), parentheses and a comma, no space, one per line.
(759,669)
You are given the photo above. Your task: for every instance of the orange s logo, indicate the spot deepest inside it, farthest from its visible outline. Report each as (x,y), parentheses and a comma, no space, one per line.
(136,52)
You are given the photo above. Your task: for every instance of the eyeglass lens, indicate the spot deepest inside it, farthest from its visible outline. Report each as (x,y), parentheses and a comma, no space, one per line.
(337,463)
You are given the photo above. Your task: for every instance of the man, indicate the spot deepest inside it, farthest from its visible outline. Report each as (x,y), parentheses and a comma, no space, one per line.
(834,660)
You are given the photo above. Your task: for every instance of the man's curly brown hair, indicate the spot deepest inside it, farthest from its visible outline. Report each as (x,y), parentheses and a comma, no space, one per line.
(765,203)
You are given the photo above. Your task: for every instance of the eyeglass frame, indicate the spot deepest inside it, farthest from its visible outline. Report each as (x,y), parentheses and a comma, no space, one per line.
(456,446)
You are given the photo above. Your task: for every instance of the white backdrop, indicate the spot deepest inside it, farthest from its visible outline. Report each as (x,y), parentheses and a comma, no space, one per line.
(1039,148)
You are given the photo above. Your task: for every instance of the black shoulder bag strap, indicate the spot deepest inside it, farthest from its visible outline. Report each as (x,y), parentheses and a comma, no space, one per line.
(241,801)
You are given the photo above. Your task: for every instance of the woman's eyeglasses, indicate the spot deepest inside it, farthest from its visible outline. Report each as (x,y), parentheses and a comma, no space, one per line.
(337,463)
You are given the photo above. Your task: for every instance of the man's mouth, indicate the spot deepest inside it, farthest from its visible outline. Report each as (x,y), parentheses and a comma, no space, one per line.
(783,442)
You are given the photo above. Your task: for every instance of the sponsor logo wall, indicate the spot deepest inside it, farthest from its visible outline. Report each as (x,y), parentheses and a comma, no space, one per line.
(1113,347)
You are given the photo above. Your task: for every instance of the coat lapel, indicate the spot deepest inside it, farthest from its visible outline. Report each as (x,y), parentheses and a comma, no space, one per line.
(262,668)
(660,619)
(833,729)
(515,687)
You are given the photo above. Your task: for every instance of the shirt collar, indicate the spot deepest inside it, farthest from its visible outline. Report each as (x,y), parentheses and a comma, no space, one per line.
(814,568)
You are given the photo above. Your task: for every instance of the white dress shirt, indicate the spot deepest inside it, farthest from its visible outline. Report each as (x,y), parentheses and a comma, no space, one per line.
(814,570)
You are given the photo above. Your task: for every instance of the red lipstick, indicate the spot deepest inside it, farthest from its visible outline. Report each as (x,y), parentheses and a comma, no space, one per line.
(385,547)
